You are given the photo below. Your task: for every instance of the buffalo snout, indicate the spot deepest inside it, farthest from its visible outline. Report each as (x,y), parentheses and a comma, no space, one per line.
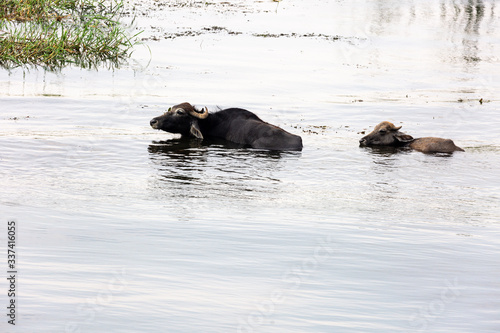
(154,123)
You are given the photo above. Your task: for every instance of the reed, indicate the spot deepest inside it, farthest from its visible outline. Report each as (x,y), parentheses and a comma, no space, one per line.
(54,33)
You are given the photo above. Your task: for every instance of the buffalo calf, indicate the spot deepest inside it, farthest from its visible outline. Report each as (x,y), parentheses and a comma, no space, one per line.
(386,134)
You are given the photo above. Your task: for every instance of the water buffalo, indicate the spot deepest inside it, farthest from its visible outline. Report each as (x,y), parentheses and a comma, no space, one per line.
(235,125)
(386,134)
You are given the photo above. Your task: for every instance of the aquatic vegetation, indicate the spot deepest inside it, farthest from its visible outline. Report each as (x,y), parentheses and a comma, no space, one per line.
(54,33)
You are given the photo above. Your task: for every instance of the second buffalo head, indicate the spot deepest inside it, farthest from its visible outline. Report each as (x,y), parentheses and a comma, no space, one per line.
(386,134)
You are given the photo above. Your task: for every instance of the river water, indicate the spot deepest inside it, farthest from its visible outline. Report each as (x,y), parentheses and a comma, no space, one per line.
(121,228)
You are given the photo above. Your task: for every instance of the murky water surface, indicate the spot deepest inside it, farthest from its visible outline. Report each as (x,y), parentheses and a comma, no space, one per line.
(122,228)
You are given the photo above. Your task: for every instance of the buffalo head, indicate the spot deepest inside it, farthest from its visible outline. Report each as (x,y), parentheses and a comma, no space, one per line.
(182,119)
(386,134)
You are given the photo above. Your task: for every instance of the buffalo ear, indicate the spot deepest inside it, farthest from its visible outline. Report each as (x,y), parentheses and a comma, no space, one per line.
(195,130)
(403,138)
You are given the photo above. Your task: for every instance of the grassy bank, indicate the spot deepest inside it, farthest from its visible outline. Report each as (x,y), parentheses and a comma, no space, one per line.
(54,33)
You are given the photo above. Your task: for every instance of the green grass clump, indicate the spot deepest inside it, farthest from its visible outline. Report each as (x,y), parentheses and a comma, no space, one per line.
(54,33)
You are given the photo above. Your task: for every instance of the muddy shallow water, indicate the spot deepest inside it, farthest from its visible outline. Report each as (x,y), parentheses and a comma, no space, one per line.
(123,228)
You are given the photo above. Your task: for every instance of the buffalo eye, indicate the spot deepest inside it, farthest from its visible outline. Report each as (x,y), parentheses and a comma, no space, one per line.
(382,131)
(180,112)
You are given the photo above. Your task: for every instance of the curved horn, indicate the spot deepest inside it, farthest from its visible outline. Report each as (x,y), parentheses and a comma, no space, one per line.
(199,114)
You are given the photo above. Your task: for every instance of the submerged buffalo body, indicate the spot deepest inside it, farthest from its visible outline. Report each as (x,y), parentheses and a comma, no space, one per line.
(235,125)
(386,134)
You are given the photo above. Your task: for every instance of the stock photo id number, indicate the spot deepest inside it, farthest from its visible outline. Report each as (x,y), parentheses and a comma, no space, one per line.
(11,271)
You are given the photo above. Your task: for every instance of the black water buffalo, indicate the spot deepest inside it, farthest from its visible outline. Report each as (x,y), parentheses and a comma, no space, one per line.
(386,134)
(235,125)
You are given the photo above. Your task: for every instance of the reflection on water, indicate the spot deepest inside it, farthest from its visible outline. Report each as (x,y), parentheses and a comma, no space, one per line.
(385,150)
(384,188)
(464,26)
(199,169)
(474,14)
(401,180)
